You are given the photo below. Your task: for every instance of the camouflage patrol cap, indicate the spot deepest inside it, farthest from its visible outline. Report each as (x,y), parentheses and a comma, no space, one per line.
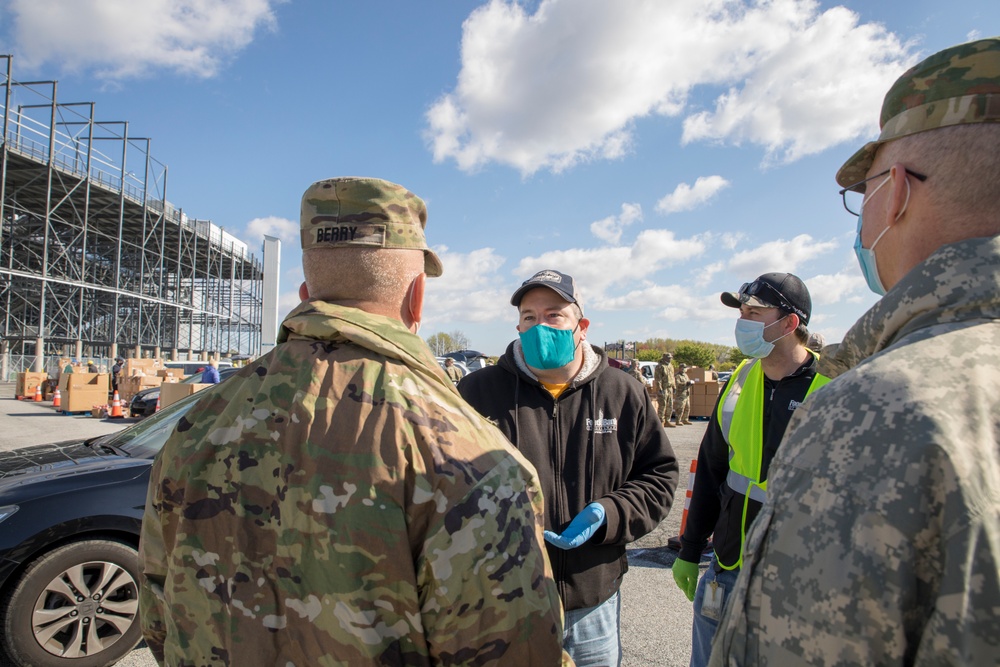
(956,86)
(351,212)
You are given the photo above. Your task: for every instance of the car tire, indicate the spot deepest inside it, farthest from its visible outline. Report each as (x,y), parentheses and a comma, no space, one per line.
(58,606)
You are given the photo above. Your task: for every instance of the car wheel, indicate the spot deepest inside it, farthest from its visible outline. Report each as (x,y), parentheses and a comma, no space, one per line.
(76,606)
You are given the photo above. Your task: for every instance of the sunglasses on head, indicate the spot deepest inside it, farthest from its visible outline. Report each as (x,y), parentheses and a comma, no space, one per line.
(767,294)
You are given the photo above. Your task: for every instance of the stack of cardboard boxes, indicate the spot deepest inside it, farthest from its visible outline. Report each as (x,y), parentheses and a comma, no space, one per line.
(26,383)
(139,374)
(704,391)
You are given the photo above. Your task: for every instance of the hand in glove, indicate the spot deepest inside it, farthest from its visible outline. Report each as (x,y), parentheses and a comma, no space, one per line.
(686,576)
(580,529)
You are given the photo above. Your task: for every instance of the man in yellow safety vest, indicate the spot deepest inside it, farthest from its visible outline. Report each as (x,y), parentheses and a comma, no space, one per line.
(742,437)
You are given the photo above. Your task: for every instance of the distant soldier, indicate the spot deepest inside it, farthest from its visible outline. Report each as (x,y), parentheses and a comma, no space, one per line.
(636,372)
(336,501)
(451,370)
(682,395)
(663,383)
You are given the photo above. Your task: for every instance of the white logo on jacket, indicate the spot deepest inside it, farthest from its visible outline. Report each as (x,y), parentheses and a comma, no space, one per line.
(602,425)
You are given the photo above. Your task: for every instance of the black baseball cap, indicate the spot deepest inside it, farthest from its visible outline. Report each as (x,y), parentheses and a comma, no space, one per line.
(774,290)
(558,282)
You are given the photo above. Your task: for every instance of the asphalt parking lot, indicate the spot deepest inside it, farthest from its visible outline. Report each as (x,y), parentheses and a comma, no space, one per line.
(656,617)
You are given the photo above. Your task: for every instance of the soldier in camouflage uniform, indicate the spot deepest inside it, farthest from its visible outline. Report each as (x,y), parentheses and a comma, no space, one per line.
(636,371)
(682,395)
(880,540)
(336,501)
(452,371)
(663,381)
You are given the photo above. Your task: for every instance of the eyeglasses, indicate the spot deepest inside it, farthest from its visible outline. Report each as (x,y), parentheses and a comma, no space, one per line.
(766,293)
(854,195)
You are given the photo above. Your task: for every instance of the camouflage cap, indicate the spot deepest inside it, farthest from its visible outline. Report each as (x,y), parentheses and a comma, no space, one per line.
(955,86)
(365,213)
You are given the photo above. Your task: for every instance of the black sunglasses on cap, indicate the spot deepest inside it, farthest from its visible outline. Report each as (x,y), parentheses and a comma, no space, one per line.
(766,293)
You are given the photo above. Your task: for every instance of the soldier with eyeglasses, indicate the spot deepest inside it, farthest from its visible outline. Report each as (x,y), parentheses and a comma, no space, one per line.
(880,540)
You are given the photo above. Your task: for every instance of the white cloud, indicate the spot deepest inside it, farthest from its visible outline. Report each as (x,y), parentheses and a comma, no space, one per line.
(282,228)
(845,286)
(780,255)
(123,38)
(470,289)
(704,275)
(686,197)
(610,229)
(674,303)
(653,249)
(797,100)
(565,84)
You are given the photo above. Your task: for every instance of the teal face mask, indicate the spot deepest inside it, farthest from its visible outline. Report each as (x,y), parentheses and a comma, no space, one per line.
(546,348)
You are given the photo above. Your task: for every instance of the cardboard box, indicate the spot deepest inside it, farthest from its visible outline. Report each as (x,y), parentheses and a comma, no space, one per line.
(83,397)
(701,410)
(701,374)
(176,373)
(27,381)
(134,367)
(130,386)
(172,392)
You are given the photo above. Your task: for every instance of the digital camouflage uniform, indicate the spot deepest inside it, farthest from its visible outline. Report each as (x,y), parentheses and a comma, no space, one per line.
(663,379)
(682,397)
(880,540)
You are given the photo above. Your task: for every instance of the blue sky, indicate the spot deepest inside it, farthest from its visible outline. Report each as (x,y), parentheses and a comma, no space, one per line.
(660,152)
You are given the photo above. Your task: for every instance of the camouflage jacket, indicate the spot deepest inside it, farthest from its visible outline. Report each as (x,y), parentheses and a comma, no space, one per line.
(337,502)
(880,540)
(682,386)
(663,377)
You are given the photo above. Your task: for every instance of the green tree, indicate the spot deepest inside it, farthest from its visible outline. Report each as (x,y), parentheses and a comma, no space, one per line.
(735,356)
(694,354)
(649,355)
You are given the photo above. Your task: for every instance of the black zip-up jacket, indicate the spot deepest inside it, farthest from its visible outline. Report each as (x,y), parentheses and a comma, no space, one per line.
(600,441)
(714,506)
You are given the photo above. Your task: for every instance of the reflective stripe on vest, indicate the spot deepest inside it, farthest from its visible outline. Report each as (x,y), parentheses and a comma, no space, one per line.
(742,425)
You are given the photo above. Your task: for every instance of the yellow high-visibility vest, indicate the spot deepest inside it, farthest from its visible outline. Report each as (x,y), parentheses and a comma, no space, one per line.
(742,424)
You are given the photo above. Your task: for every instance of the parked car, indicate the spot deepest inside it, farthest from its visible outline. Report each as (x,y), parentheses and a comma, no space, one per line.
(648,369)
(143,404)
(69,532)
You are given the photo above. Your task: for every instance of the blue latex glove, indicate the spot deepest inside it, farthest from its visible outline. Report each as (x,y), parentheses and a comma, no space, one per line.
(580,529)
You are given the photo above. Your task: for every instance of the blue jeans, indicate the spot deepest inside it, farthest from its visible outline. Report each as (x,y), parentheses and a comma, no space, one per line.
(703,628)
(592,635)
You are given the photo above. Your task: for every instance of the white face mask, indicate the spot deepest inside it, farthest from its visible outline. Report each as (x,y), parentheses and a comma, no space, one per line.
(750,338)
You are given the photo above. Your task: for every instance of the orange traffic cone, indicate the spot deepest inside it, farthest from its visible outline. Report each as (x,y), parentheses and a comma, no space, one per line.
(675,542)
(116,407)
(157,403)
(38,393)
(56,400)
